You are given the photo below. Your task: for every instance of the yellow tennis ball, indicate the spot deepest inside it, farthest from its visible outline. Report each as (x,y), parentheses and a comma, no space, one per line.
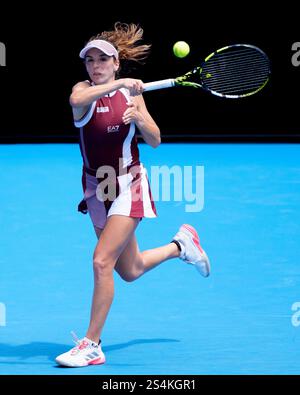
(181,49)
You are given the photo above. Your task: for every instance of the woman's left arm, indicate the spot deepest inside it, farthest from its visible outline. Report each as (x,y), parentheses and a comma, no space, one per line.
(137,112)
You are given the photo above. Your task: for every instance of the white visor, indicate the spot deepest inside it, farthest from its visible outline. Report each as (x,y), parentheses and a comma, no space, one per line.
(102,45)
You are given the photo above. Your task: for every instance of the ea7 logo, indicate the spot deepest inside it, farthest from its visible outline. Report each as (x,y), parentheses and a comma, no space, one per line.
(296,55)
(296,315)
(2,54)
(112,129)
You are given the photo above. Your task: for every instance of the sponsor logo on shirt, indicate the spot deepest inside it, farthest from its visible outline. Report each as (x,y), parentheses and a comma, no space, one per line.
(113,128)
(103,109)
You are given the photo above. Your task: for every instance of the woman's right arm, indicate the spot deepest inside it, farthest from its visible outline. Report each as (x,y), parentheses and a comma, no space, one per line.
(83,94)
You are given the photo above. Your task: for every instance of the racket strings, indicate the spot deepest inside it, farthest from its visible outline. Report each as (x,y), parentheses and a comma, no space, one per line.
(233,52)
(236,71)
(242,88)
(227,68)
(220,64)
(239,88)
(237,78)
(237,85)
(224,68)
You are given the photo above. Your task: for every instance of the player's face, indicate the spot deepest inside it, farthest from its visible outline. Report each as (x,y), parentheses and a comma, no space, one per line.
(100,67)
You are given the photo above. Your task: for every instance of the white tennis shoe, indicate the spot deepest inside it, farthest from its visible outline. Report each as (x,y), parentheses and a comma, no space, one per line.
(191,250)
(85,353)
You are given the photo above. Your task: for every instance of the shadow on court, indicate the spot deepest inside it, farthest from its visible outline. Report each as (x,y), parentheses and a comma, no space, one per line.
(51,350)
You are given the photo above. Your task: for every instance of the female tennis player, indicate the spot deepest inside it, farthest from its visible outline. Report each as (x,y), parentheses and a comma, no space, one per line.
(108,110)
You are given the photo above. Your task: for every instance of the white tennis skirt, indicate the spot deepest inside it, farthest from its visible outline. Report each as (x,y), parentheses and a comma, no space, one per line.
(130,196)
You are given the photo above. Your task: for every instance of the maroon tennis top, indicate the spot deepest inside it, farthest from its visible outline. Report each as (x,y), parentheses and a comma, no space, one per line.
(104,139)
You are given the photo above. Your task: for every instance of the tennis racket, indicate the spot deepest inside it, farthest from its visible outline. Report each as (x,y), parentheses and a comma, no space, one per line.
(232,72)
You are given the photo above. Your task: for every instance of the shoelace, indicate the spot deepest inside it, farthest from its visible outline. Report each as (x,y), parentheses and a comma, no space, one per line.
(79,343)
(75,338)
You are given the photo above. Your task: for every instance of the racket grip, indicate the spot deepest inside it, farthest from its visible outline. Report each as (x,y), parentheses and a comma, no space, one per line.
(150,86)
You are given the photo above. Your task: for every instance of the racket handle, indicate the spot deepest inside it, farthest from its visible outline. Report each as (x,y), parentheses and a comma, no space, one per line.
(150,86)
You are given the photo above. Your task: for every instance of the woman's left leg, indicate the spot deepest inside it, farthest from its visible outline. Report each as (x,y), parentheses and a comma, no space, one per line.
(132,263)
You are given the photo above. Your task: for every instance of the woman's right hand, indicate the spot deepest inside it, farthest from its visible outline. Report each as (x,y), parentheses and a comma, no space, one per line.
(135,87)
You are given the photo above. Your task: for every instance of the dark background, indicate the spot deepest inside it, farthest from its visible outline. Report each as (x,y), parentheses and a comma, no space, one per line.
(43,42)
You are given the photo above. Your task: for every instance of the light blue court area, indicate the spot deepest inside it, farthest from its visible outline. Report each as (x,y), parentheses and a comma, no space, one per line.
(243,319)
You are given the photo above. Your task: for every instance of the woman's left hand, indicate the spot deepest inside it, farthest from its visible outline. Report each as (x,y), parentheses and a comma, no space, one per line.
(131,114)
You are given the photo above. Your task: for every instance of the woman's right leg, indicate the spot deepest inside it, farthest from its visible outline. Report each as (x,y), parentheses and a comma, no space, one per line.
(114,238)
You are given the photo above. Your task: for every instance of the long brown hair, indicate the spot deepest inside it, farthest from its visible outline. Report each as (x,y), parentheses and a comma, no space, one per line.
(126,38)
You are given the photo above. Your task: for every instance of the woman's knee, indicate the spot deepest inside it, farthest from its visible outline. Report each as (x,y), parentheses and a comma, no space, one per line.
(102,266)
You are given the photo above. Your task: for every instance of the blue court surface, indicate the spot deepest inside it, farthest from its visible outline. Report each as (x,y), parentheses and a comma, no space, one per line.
(243,319)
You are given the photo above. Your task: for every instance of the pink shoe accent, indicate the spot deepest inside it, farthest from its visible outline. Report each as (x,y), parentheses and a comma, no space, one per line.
(196,239)
(83,345)
(98,361)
